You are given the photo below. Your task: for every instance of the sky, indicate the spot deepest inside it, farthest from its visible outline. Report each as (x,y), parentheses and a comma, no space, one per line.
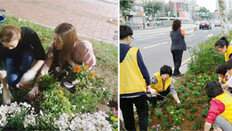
(209,4)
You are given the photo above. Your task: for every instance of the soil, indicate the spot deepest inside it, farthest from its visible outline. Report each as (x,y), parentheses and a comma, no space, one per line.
(186,124)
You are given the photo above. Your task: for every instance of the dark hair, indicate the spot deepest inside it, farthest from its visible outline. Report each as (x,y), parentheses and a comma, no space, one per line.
(221,69)
(228,65)
(176,24)
(125,31)
(166,70)
(222,42)
(213,89)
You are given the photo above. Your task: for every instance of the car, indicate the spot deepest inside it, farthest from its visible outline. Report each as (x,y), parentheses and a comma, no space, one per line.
(217,24)
(205,25)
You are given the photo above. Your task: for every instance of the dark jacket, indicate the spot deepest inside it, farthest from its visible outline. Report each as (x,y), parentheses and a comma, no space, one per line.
(178,42)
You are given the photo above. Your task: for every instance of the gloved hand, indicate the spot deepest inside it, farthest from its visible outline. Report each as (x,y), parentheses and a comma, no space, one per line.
(152,91)
(27,78)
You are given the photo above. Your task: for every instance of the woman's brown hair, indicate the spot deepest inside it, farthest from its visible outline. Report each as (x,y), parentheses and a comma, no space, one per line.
(176,24)
(9,33)
(68,35)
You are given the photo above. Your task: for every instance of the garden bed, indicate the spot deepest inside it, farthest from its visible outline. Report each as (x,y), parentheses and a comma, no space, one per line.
(57,107)
(191,114)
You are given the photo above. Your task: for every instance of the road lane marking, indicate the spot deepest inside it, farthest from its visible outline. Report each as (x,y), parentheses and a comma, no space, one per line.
(148,36)
(162,43)
(191,35)
(185,61)
(209,36)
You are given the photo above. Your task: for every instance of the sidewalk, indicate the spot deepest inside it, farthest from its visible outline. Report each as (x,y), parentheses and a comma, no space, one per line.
(96,19)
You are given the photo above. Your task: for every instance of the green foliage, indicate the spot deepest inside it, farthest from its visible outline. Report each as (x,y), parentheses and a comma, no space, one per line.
(53,103)
(190,100)
(205,110)
(197,125)
(206,58)
(191,117)
(158,112)
(194,109)
(153,7)
(205,13)
(196,94)
(48,82)
(149,121)
(126,4)
(199,100)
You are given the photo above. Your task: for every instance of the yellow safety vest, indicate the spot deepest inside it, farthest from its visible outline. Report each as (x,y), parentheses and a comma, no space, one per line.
(224,80)
(159,85)
(226,99)
(228,52)
(131,78)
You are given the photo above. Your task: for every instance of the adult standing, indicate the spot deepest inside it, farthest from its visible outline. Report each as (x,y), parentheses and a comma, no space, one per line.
(134,79)
(178,45)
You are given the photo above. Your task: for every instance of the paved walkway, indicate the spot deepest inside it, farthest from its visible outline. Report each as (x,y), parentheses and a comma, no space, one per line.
(92,18)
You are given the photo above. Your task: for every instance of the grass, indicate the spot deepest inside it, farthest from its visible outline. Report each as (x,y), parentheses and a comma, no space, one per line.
(106,54)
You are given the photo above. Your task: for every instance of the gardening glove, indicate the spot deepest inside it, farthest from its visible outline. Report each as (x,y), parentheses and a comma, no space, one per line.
(26,79)
(152,91)
(6,96)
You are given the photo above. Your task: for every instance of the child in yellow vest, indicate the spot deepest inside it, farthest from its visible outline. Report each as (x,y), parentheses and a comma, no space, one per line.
(227,86)
(162,83)
(222,46)
(220,112)
(223,76)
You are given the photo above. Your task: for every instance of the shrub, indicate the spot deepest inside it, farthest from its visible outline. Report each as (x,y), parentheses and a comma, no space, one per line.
(197,125)
(194,109)
(191,117)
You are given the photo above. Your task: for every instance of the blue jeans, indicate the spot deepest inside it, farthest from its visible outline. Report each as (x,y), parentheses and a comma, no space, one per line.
(16,67)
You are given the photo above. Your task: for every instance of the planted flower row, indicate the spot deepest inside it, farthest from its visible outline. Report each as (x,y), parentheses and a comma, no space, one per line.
(59,107)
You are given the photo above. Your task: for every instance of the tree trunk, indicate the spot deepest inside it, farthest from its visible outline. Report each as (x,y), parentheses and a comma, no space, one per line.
(223,16)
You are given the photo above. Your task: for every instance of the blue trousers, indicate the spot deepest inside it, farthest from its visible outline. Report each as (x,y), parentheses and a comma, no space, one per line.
(16,67)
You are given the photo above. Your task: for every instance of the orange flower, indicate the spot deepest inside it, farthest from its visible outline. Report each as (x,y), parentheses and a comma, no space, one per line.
(93,75)
(77,69)
(86,68)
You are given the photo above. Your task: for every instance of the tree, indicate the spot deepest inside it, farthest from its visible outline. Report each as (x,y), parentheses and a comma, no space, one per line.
(223,17)
(153,7)
(126,5)
(204,13)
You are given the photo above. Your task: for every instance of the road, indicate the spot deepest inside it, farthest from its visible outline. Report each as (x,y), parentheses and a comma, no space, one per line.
(155,45)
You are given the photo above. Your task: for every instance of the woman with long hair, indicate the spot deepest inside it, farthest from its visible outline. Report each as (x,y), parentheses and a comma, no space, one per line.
(67,50)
